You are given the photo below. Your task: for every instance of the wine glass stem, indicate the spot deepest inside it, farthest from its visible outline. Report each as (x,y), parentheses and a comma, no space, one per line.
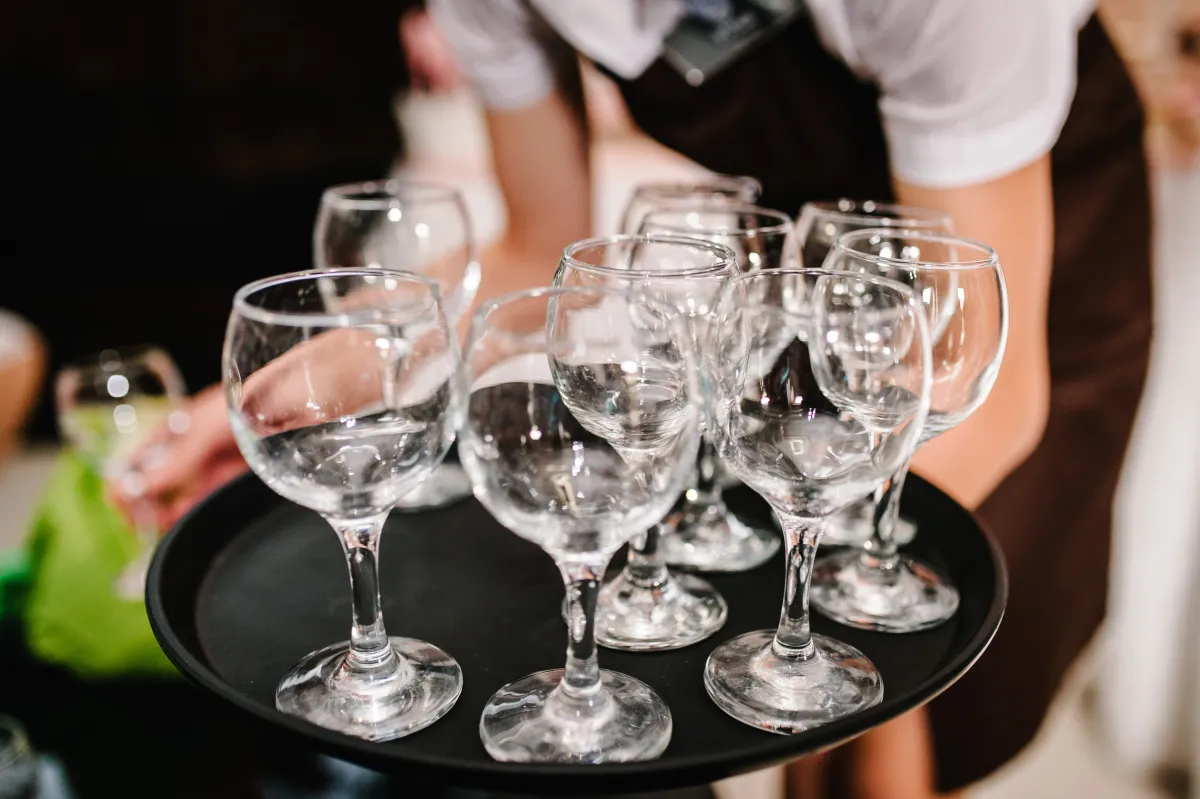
(581,678)
(793,638)
(879,552)
(370,649)
(145,526)
(645,567)
(708,474)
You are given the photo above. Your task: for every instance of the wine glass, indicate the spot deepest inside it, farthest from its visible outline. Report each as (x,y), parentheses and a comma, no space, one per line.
(18,761)
(710,190)
(647,607)
(581,409)
(406,226)
(818,228)
(107,404)
(961,286)
(821,223)
(705,536)
(339,388)
(821,390)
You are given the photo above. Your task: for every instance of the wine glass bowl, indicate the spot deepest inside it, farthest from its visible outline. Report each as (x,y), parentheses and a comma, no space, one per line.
(111,407)
(711,190)
(818,228)
(960,286)
(108,403)
(704,535)
(812,429)
(339,385)
(822,222)
(406,226)
(647,607)
(575,455)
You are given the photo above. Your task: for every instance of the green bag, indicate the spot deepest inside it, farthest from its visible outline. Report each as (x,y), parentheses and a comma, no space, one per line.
(78,547)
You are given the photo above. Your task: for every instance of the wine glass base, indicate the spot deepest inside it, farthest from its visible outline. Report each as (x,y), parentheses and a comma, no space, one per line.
(681,611)
(447,485)
(747,680)
(717,541)
(844,530)
(529,721)
(322,691)
(913,597)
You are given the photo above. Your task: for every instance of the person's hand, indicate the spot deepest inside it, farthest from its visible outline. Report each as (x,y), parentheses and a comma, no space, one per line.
(430,61)
(181,468)
(1169,84)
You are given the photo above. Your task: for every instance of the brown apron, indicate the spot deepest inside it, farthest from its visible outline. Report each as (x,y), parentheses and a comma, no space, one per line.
(796,118)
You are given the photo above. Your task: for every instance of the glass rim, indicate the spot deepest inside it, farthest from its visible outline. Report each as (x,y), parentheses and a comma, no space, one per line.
(803,271)
(990,259)
(243,308)
(910,298)
(783,223)
(901,215)
(486,308)
(95,361)
(392,191)
(715,180)
(727,261)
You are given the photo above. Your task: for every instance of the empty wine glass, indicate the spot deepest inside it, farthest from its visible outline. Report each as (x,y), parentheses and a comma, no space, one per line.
(580,412)
(704,534)
(106,405)
(818,228)
(822,222)
(18,762)
(406,226)
(710,190)
(811,427)
(961,286)
(339,388)
(647,606)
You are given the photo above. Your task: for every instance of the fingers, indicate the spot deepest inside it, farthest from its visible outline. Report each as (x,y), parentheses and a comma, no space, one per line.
(431,64)
(184,455)
(215,476)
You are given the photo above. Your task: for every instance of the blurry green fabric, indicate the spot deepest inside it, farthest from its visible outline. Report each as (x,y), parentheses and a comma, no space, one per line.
(78,546)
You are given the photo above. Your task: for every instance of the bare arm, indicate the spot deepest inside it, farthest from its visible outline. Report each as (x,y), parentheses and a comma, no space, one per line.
(541,159)
(1015,215)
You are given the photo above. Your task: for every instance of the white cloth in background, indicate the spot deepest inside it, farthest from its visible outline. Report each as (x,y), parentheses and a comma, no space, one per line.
(971,89)
(1148,672)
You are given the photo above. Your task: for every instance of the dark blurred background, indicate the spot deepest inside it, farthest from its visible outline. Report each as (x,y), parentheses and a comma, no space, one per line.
(157,155)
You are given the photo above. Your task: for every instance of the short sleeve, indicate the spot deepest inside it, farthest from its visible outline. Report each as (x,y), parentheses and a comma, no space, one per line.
(971,90)
(499,48)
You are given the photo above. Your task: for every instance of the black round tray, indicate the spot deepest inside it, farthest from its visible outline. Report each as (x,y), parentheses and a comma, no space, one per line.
(248,583)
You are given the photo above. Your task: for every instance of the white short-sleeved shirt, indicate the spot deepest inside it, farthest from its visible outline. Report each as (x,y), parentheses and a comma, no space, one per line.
(971,90)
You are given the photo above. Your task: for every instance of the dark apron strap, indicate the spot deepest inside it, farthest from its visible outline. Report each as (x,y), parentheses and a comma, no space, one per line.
(795,117)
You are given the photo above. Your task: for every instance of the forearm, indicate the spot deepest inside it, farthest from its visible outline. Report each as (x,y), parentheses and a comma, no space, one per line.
(1013,214)
(544,173)
(973,458)
(516,262)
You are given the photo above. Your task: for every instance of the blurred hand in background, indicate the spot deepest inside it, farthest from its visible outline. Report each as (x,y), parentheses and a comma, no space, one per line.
(432,65)
(1160,41)
(193,463)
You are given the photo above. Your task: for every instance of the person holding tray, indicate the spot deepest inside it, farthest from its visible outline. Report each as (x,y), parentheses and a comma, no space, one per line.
(1014,117)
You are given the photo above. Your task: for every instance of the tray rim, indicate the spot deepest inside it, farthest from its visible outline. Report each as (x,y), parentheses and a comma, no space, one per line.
(611,777)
